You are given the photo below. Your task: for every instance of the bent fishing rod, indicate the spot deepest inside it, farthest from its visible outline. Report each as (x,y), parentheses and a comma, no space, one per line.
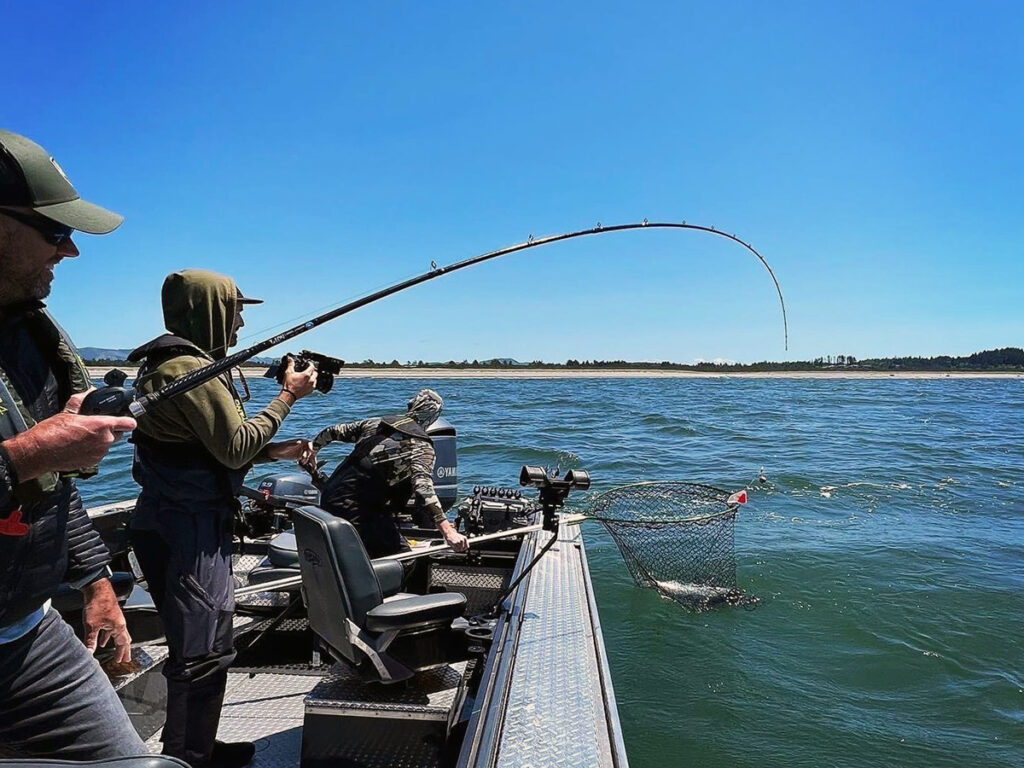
(116,400)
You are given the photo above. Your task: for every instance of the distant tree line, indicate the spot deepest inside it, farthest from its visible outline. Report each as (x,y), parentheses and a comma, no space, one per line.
(1005,359)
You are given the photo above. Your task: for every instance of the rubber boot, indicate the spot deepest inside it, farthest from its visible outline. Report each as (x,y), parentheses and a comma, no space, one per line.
(232,754)
(193,715)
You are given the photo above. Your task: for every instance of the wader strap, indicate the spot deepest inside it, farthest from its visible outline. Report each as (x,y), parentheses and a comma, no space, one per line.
(12,422)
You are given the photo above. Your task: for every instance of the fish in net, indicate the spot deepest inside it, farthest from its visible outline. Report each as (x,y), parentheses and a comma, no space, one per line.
(676,538)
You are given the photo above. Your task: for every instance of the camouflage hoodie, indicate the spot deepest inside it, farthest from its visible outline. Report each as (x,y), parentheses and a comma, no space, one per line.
(199,311)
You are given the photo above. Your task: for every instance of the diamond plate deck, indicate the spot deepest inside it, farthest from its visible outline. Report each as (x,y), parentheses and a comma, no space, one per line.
(144,658)
(429,695)
(556,713)
(266,709)
(481,585)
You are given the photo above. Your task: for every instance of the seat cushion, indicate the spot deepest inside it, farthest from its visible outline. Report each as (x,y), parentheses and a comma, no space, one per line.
(416,611)
(282,551)
(399,596)
(390,575)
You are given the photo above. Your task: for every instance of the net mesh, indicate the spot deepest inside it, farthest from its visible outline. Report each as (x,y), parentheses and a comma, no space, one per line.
(676,538)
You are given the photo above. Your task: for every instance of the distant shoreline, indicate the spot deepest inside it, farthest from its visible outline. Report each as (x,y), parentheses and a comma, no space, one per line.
(632,373)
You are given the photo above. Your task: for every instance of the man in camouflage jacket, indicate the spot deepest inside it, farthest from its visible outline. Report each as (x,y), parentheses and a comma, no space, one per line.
(393,461)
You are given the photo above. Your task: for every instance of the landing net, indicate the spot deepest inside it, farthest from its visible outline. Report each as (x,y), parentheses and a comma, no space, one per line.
(676,538)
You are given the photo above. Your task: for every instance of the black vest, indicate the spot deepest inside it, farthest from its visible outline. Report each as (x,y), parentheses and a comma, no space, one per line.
(359,486)
(34,539)
(182,472)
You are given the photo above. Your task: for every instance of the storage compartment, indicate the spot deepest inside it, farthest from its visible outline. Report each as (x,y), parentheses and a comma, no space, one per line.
(482,585)
(349,722)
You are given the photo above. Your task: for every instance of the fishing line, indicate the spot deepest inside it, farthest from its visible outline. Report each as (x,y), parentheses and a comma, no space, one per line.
(114,400)
(286,322)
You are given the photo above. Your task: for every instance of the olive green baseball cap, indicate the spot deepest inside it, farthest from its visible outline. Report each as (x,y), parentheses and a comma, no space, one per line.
(30,178)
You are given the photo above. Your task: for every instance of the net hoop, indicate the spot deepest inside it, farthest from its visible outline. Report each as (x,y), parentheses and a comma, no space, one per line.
(699,494)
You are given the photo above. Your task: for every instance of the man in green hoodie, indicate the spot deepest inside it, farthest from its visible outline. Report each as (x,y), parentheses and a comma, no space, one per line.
(192,454)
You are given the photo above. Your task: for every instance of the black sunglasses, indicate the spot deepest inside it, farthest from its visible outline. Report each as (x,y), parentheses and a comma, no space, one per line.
(52,232)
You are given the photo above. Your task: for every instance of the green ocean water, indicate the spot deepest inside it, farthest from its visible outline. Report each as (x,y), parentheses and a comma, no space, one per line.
(887,549)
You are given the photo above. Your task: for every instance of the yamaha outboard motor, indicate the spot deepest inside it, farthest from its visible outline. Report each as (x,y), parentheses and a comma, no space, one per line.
(293,487)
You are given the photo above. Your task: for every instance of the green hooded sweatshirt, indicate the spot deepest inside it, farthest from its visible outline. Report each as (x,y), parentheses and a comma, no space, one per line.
(199,308)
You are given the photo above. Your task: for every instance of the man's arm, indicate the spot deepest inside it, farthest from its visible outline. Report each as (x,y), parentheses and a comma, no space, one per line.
(61,443)
(215,420)
(346,432)
(88,570)
(88,556)
(423,492)
(8,480)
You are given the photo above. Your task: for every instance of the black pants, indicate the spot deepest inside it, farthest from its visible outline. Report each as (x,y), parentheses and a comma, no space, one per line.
(187,564)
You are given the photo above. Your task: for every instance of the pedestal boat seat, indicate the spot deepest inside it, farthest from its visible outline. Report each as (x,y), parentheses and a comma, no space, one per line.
(345,596)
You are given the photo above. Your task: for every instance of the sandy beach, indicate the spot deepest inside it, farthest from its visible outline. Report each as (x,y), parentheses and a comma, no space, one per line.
(652,373)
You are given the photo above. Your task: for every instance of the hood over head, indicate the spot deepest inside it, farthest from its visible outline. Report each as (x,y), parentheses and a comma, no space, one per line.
(425,407)
(200,306)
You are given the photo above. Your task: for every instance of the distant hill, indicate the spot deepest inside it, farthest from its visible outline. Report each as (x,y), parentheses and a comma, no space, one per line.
(96,354)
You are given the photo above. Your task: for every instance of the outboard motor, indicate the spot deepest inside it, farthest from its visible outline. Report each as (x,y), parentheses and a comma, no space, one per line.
(259,517)
(290,486)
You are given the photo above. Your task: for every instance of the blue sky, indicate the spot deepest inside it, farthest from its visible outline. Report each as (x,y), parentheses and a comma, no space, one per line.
(315,152)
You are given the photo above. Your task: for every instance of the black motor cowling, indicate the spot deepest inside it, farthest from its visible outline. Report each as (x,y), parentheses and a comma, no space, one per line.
(293,487)
(265,511)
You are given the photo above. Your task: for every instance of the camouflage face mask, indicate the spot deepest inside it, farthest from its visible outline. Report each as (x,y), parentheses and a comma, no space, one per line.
(425,407)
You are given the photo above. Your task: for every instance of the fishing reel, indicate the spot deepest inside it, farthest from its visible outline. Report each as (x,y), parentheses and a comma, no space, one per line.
(111,400)
(553,490)
(326,368)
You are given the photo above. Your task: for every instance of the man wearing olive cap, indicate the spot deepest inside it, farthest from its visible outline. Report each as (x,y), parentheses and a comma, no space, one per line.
(55,701)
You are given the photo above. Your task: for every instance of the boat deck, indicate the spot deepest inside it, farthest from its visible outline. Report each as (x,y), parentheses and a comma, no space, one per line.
(552,701)
(560,692)
(265,708)
(546,698)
